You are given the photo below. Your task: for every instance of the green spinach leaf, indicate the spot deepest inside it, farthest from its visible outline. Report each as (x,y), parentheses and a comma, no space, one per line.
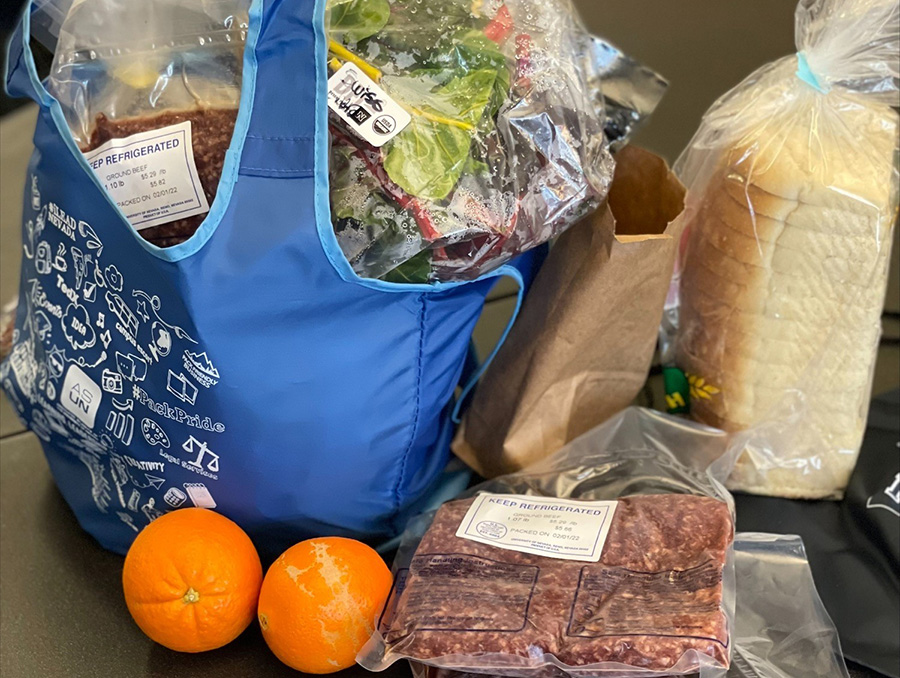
(355,20)
(474,166)
(415,270)
(428,157)
(475,51)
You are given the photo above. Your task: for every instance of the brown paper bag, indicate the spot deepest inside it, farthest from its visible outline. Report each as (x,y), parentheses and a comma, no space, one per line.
(584,341)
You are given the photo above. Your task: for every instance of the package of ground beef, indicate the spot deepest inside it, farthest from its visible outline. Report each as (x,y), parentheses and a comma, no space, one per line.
(150,91)
(781,627)
(613,557)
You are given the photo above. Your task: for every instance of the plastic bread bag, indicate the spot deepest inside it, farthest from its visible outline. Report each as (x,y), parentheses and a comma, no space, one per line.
(781,628)
(613,558)
(490,139)
(169,70)
(792,197)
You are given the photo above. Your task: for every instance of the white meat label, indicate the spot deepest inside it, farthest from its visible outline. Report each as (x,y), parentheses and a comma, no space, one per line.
(364,106)
(556,528)
(151,175)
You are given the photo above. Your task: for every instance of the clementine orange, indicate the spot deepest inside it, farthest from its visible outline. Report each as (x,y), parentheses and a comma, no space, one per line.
(319,601)
(191,580)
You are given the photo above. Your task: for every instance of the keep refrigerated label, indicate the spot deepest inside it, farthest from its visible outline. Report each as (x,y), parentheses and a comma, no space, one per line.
(151,175)
(567,529)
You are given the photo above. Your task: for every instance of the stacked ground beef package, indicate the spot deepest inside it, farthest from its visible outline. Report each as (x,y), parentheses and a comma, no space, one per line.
(612,557)
(655,595)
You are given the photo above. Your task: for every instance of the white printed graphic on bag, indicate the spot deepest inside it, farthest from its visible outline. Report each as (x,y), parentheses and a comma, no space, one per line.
(889,498)
(204,456)
(556,528)
(162,340)
(80,395)
(99,486)
(128,520)
(58,217)
(174,497)
(56,362)
(200,495)
(150,511)
(121,426)
(200,367)
(111,381)
(182,388)
(151,175)
(131,366)
(154,434)
(24,367)
(84,357)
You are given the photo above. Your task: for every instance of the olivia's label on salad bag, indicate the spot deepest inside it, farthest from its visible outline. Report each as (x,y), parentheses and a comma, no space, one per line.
(364,106)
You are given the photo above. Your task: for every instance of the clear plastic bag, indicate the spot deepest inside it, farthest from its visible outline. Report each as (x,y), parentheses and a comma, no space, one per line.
(781,628)
(506,145)
(658,600)
(122,67)
(506,148)
(123,59)
(792,196)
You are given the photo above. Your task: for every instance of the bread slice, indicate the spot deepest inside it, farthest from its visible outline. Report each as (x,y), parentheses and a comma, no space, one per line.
(783,279)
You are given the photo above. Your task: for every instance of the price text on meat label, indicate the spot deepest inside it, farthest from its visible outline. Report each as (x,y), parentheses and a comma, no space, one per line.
(557,528)
(151,175)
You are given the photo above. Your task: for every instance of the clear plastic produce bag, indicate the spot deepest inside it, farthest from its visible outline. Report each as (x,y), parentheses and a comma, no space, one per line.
(781,628)
(612,557)
(505,145)
(792,197)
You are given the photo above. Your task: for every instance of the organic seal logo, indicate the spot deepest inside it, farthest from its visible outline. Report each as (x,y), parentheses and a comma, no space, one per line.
(491,529)
(384,124)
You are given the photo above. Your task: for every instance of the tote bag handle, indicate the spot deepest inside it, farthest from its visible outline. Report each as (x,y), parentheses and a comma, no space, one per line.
(507,271)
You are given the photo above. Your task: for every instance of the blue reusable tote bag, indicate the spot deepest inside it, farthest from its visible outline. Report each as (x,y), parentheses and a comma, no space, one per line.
(248,369)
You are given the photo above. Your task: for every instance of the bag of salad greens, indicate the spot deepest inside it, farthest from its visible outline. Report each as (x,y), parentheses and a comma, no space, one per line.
(491,139)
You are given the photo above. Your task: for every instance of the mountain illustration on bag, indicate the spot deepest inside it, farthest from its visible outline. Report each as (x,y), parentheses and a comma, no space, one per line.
(199,366)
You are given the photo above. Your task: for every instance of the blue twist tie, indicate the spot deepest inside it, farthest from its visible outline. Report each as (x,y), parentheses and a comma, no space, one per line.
(804,72)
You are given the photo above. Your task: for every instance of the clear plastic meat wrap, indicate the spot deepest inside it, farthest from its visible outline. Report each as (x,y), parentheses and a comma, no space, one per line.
(123,68)
(792,197)
(781,628)
(612,557)
(504,146)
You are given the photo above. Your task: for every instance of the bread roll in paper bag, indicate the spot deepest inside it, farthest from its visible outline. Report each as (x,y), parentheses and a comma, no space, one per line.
(582,346)
(792,196)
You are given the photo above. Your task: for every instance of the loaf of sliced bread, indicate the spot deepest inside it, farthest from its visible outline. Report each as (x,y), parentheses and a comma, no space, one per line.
(784,272)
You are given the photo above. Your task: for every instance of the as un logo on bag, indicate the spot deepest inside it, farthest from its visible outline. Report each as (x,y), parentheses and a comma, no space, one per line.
(81,395)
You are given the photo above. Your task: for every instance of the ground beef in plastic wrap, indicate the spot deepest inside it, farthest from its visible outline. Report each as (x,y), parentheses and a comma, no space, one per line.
(211,131)
(655,595)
